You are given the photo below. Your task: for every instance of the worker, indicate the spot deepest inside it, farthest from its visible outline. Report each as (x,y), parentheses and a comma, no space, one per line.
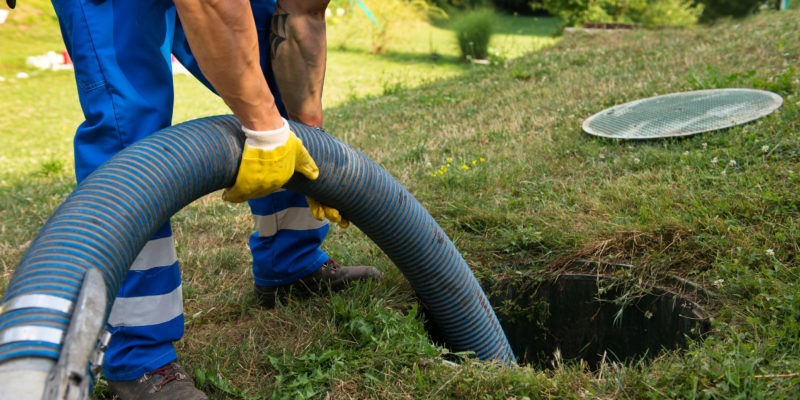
(267,62)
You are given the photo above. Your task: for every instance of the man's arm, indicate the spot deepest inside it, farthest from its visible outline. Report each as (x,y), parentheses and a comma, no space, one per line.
(222,35)
(298,49)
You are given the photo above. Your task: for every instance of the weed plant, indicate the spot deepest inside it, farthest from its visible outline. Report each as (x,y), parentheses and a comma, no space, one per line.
(473,29)
(718,209)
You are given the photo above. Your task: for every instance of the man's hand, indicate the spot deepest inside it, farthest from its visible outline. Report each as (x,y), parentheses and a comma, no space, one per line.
(321,211)
(11,3)
(269,160)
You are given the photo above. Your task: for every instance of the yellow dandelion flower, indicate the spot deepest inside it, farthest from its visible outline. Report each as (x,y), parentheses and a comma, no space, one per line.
(464,166)
(448,159)
(482,159)
(474,162)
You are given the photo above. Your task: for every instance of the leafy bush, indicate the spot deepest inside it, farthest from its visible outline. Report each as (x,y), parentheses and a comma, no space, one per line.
(650,13)
(473,30)
(671,13)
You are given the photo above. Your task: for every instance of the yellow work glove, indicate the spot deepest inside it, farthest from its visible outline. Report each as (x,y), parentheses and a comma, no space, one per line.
(321,211)
(269,160)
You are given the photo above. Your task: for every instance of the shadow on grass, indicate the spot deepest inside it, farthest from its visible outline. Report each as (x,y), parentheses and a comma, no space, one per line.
(405,57)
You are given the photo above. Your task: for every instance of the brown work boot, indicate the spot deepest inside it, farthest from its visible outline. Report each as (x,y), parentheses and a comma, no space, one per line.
(329,275)
(169,382)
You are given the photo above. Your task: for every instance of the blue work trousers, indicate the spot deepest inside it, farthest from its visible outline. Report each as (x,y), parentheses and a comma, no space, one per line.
(122,51)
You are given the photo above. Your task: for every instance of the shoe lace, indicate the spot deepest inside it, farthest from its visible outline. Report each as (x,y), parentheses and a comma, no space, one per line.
(168,373)
(331,265)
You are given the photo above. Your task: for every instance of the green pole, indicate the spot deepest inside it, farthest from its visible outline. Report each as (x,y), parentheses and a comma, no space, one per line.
(369,14)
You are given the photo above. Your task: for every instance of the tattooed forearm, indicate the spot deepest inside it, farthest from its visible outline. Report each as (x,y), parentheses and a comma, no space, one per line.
(277,29)
(298,52)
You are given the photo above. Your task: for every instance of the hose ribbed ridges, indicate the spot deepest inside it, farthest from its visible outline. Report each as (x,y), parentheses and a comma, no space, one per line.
(107,220)
(386,212)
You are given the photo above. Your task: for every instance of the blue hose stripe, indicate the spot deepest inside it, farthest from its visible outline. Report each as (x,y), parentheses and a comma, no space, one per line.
(106,218)
(160,172)
(444,258)
(127,199)
(186,180)
(454,320)
(49,289)
(41,319)
(65,274)
(393,226)
(69,252)
(140,188)
(434,287)
(144,182)
(22,313)
(417,269)
(44,279)
(64,229)
(110,216)
(66,291)
(51,267)
(409,224)
(31,351)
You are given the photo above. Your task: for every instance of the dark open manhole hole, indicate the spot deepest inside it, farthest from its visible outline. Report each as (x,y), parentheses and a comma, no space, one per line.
(589,317)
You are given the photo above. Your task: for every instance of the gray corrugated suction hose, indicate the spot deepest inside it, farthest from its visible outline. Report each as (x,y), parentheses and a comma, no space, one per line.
(107,220)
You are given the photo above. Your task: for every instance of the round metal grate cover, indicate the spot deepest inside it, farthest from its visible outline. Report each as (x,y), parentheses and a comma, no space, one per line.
(682,114)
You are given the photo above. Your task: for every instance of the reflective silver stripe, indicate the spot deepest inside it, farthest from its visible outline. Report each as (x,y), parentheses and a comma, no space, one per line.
(293,218)
(31,333)
(38,301)
(146,310)
(156,253)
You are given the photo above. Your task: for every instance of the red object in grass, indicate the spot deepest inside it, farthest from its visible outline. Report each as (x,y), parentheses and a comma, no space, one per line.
(67,59)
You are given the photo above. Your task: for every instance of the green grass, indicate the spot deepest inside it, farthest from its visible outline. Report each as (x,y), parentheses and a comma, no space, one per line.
(545,195)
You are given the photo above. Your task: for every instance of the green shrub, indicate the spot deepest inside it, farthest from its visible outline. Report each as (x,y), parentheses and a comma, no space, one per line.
(671,13)
(650,13)
(473,31)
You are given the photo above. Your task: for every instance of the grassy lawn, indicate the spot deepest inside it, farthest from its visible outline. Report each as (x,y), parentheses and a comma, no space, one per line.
(718,209)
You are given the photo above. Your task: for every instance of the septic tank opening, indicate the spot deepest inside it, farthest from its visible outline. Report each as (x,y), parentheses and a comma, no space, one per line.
(590,318)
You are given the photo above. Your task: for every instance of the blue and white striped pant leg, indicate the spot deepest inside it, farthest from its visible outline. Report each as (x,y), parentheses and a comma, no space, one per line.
(285,246)
(121,52)
(147,315)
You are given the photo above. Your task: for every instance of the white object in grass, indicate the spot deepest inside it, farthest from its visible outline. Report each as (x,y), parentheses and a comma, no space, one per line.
(50,60)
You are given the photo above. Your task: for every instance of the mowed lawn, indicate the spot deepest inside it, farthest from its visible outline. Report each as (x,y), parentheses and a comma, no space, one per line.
(718,210)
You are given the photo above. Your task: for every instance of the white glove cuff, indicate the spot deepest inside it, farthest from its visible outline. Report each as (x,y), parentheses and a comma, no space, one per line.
(267,140)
